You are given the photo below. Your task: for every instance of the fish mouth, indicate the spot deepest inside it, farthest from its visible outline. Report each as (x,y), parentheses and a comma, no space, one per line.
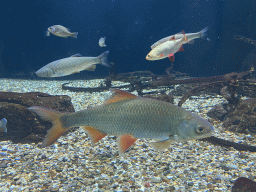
(150,58)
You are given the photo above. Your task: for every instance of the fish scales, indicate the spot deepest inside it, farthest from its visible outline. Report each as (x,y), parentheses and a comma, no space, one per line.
(73,62)
(133,117)
(129,118)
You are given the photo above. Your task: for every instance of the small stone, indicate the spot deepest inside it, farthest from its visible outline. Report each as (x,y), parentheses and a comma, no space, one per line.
(21,181)
(16,178)
(104,176)
(155,180)
(4,148)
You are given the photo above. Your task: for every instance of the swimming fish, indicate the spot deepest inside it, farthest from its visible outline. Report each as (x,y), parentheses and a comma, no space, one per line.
(102,42)
(190,37)
(167,49)
(3,123)
(129,117)
(61,31)
(73,64)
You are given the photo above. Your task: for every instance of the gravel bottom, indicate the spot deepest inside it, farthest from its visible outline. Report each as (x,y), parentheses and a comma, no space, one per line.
(73,164)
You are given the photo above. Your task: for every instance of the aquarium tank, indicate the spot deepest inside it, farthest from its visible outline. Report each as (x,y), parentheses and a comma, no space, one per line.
(139,95)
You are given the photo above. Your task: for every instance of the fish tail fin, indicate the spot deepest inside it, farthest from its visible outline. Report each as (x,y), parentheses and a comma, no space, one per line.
(103,58)
(3,122)
(74,35)
(47,33)
(203,33)
(53,116)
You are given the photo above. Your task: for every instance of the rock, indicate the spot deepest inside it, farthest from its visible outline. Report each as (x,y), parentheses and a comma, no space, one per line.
(243,118)
(22,125)
(4,148)
(10,171)
(21,181)
(155,180)
(218,112)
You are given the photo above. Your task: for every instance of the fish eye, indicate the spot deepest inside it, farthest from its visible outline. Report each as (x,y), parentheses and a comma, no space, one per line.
(200,129)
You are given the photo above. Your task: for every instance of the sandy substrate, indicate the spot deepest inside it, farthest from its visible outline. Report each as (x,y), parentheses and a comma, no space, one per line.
(73,164)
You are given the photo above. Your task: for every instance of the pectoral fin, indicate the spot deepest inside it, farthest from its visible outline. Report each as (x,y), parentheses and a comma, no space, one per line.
(124,142)
(161,145)
(94,135)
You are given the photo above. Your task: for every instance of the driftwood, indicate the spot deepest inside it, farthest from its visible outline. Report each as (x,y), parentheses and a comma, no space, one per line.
(225,143)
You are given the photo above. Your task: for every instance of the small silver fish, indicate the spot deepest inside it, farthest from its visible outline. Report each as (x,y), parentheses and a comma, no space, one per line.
(73,64)
(3,123)
(190,37)
(60,31)
(102,42)
(167,49)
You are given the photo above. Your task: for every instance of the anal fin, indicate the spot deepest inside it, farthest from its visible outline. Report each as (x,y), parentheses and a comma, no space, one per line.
(91,68)
(94,135)
(124,142)
(171,57)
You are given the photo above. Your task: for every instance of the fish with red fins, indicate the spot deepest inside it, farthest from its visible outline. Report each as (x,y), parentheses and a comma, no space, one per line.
(129,117)
(168,46)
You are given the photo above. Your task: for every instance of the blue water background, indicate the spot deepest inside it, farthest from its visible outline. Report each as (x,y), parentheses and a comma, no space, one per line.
(130,28)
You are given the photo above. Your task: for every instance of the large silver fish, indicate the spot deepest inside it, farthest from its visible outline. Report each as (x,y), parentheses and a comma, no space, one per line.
(61,31)
(190,37)
(129,118)
(73,64)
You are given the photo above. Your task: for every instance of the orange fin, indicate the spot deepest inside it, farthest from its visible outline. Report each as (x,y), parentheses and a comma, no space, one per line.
(94,135)
(119,95)
(161,55)
(171,57)
(124,142)
(181,49)
(53,116)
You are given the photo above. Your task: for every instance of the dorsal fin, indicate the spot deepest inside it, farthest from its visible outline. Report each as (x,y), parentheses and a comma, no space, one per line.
(119,95)
(76,55)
